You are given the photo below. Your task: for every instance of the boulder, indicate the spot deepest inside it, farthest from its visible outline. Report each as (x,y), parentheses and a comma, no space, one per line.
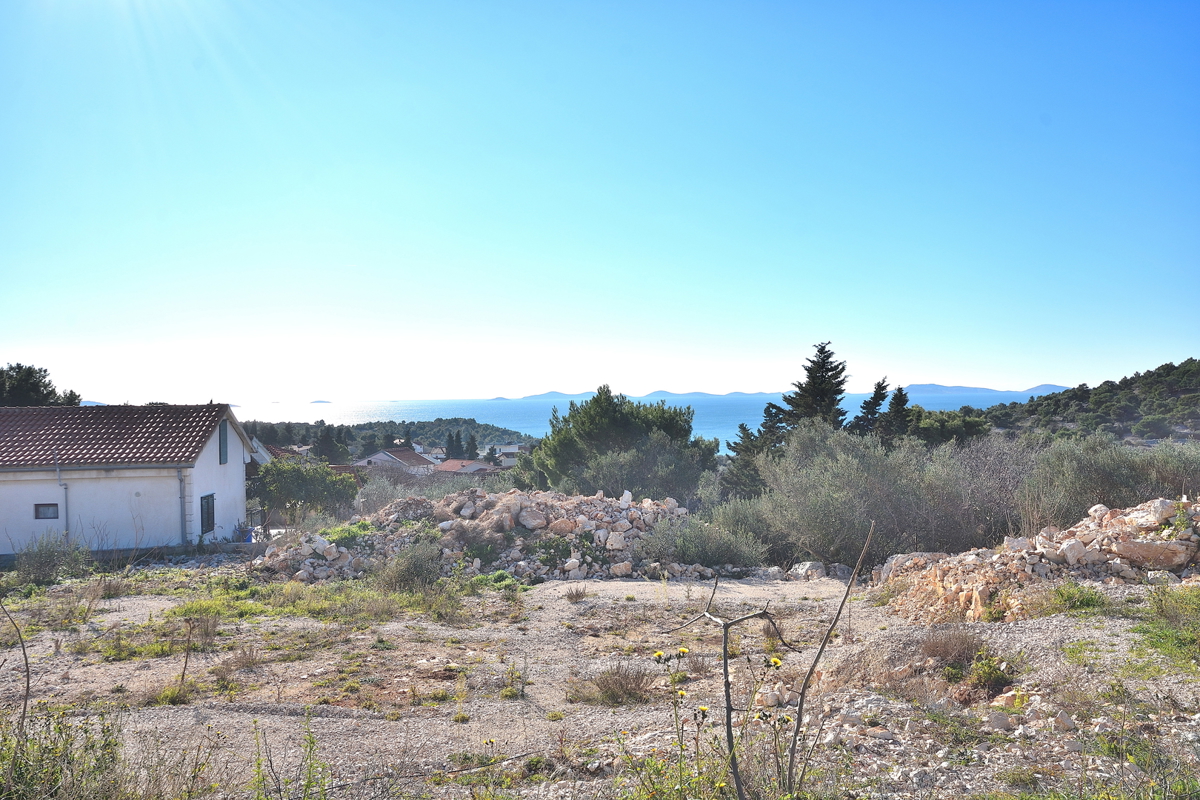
(622,569)
(532,519)
(807,570)
(615,541)
(1156,555)
(562,527)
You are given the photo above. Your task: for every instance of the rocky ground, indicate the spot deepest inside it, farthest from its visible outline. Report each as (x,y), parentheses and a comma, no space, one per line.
(1075,697)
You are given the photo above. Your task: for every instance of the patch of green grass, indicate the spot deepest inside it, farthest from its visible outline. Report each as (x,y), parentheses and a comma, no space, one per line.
(221,607)
(1075,597)
(1081,653)
(348,536)
(1173,629)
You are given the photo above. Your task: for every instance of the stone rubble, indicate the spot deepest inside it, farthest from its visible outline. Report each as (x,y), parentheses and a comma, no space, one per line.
(533,535)
(908,751)
(1155,541)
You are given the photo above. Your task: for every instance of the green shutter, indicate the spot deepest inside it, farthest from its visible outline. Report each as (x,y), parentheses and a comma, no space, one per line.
(208,513)
(223,436)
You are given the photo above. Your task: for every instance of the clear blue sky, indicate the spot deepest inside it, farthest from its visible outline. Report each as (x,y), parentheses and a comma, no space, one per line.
(382,200)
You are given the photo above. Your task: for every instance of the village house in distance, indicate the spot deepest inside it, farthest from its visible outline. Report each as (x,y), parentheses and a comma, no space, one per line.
(117,477)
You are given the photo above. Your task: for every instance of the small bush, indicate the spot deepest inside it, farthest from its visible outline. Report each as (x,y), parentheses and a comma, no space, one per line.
(575,593)
(694,541)
(413,568)
(175,694)
(46,558)
(954,645)
(1073,596)
(623,683)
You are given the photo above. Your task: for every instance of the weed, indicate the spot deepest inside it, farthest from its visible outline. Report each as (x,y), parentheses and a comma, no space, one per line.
(555,716)
(575,593)
(47,557)
(620,684)
(461,717)
(1174,628)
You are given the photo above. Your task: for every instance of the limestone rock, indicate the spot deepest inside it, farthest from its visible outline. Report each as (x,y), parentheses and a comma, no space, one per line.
(532,518)
(808,570)
(622,569)
(1170,555)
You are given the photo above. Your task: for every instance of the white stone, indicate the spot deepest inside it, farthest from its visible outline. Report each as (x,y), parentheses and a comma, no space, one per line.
(621,570)
(616,541)
(1161,577)
(1098,511)
(999,720)
(572,563)
(532,518)
(626,499)
(808,570)
(1063,722)
(1072,550)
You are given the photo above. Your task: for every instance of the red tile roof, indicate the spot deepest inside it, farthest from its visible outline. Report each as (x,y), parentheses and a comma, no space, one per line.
(78,436)
(410,457)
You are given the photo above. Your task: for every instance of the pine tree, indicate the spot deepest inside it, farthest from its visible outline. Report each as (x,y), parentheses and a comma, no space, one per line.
(818,395)
(894,422)
(742,478)
(868,417)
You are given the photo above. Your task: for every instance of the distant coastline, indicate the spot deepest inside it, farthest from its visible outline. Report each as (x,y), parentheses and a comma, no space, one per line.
(716,416)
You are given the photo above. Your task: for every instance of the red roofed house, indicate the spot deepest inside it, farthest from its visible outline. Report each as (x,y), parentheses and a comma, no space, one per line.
(121,476)
(464,466)
(402,458)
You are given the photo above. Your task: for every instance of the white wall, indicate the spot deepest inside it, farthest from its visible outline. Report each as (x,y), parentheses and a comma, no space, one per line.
(227,482)
(108,508)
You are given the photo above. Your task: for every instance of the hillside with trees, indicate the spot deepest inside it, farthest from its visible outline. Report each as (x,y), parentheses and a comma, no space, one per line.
(339,444)
(1156,404)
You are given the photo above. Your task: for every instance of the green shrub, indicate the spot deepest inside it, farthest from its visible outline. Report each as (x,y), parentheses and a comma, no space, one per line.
(412,568)
(46,558)
(827,486)
(347,535)
(1072,597)
(694,541)
(1073,475)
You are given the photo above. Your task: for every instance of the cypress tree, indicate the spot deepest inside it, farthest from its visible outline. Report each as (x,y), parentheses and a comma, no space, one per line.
(894,422)
(472,449)
(818,395)
(868,416)
(451,450)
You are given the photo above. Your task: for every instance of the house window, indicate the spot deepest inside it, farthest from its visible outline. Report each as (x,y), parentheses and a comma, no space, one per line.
(223,440)
(208,513)
(45,510)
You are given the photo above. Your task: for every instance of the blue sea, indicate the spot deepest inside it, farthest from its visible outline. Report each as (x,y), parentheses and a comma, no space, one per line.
(716,416)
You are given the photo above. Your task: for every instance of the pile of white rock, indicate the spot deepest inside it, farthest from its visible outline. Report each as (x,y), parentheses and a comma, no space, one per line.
(1155,542)
(311,558)
(533,535)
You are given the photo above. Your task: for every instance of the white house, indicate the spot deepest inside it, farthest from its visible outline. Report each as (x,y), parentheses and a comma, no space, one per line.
(401,458)
(122,476)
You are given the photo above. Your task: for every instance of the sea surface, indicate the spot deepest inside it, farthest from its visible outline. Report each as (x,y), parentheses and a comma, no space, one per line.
(716,416)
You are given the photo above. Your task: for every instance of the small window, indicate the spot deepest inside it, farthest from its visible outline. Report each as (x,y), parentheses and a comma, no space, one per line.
(45,510)
(223,440)
(208,513)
